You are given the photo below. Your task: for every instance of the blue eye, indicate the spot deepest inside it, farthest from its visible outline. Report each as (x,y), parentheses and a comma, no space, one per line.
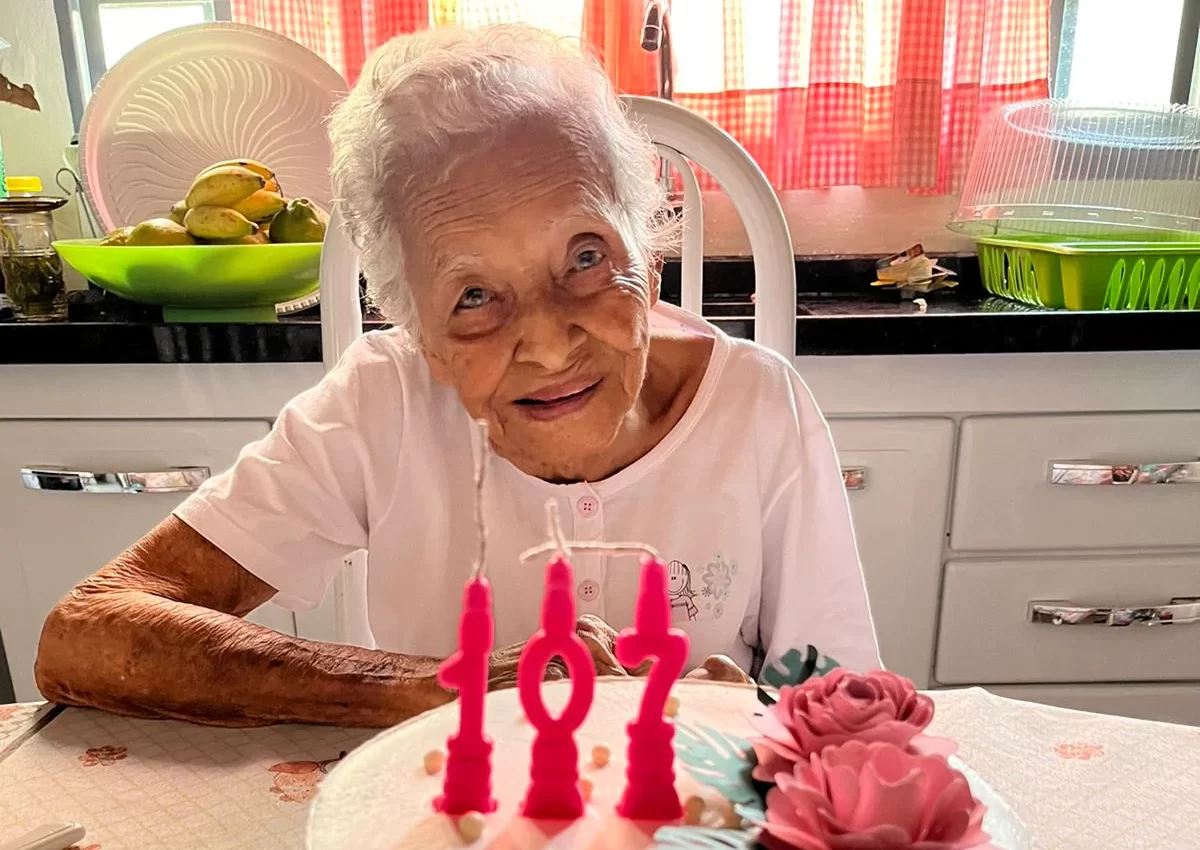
(473,298)
(588,258)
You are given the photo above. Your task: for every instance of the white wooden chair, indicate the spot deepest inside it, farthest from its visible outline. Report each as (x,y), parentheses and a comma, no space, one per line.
(680,135)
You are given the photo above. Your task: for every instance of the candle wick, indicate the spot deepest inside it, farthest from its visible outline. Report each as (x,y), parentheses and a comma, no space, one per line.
(481,463)
(597,547)
(555,528)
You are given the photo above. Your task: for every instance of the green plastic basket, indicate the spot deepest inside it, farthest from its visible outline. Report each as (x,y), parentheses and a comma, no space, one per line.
(1047,271)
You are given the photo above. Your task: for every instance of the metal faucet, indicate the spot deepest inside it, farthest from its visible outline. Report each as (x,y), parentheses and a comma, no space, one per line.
(656,38)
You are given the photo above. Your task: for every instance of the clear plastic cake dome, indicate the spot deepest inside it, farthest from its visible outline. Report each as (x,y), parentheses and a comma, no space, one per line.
(1066,169)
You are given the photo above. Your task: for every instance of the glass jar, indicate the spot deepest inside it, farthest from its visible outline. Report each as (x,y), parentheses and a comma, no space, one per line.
(32,270)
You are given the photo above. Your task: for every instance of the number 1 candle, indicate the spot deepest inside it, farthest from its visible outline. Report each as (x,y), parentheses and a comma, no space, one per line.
(554,763)
(650,777)
(468,783)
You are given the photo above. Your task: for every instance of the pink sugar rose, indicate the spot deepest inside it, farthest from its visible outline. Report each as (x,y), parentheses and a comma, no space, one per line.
(875,796)
(842,706)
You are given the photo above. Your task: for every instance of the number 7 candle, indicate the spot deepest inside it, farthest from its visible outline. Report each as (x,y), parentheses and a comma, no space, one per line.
(650,777)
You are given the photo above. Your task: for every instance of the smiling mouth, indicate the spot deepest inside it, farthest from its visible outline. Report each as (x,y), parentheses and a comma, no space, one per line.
(553,405)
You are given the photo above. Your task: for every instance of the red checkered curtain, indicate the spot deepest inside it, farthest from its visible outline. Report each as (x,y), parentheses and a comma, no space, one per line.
(613,31)
(859,92)
(342,32)
(821,92)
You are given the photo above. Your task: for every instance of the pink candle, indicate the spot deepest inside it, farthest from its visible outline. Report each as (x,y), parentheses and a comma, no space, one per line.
(468,783)
(650,778)
(554,764)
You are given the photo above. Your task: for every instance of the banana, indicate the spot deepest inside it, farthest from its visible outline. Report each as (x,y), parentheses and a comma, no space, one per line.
(259,238)
(251,165)
(209,222)
(120,236)
(261,205)
(223,187)
(178,211)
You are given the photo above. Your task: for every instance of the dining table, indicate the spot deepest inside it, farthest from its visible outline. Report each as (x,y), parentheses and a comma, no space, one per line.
(1078,781)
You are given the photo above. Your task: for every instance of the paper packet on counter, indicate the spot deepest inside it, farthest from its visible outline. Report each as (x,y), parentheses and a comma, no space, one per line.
(912,271)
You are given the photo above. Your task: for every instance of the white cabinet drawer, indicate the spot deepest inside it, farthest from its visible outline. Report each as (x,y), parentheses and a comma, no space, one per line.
(1004,498)
(899,512)
(986,636)
(1173,703)
(53,539)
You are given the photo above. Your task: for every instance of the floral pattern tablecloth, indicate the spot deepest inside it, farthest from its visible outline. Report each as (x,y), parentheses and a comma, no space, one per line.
(161,784)
(17,722)
(1079,781)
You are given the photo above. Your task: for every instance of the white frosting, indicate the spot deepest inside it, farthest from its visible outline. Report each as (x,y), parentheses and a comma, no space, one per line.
(380,798)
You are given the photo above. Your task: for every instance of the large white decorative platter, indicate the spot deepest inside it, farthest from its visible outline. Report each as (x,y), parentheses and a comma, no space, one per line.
(198,95)
(380,798)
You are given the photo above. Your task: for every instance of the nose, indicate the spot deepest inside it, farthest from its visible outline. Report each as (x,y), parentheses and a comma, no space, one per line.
(548,338)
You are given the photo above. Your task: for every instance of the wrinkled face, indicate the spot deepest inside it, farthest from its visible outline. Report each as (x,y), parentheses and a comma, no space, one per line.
(531,304)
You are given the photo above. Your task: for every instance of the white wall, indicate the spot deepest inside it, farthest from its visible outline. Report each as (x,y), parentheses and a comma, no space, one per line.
(844,220)
(34,141)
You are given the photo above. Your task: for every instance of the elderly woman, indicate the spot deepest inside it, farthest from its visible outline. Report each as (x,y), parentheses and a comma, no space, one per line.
(511,227)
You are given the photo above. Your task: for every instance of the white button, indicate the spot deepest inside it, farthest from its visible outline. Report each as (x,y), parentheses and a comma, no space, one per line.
(588,590)
(587,505)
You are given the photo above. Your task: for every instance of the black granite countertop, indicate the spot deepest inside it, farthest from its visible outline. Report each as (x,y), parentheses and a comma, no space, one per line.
(837,315)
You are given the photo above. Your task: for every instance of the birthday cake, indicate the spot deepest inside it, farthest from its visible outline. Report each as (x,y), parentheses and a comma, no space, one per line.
(382,797)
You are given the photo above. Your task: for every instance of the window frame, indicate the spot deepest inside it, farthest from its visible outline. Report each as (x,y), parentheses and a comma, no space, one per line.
(1185,85)
(82,43)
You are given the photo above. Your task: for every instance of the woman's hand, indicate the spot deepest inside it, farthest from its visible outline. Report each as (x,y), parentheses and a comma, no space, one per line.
(599,637)
(502,667)
(719,668)
(601,640)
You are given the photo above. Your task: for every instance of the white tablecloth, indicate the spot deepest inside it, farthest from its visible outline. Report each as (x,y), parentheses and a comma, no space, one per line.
(1079,781)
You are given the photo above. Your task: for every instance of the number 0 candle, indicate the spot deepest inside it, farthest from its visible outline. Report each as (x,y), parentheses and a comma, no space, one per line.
(554,763)
(650,777)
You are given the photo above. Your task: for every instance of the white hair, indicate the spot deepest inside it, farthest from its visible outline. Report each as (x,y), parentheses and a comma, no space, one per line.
(420,93)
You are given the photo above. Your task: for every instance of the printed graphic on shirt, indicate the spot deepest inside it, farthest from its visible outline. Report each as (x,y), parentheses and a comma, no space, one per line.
(699,595)
(679,589)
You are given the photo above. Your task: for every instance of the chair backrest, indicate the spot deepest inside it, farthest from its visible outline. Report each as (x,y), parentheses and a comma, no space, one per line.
(680,135)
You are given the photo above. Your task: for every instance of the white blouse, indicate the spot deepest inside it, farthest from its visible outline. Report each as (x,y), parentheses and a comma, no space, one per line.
(743,498)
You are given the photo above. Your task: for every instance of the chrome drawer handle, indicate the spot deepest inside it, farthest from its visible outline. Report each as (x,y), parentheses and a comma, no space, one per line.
(1184,609)
(180,479)
(1099,474)
(854,477)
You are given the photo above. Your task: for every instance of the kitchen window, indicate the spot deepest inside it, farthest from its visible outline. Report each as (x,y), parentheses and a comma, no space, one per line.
(95,34)
(821,92)
(1100,50)
(1122,51)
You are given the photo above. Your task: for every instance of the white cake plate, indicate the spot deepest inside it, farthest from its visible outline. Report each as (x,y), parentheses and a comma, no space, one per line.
(380,798)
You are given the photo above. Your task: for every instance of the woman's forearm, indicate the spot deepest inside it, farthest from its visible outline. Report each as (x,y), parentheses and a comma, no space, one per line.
(132,652)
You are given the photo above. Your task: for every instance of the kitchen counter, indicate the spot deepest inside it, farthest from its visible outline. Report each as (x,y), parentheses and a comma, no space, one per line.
(836,316)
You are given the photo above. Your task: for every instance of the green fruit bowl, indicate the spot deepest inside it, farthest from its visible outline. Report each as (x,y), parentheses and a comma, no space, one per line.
(200,283)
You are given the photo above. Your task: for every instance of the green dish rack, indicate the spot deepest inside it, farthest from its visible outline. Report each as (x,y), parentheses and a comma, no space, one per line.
(1048,271)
